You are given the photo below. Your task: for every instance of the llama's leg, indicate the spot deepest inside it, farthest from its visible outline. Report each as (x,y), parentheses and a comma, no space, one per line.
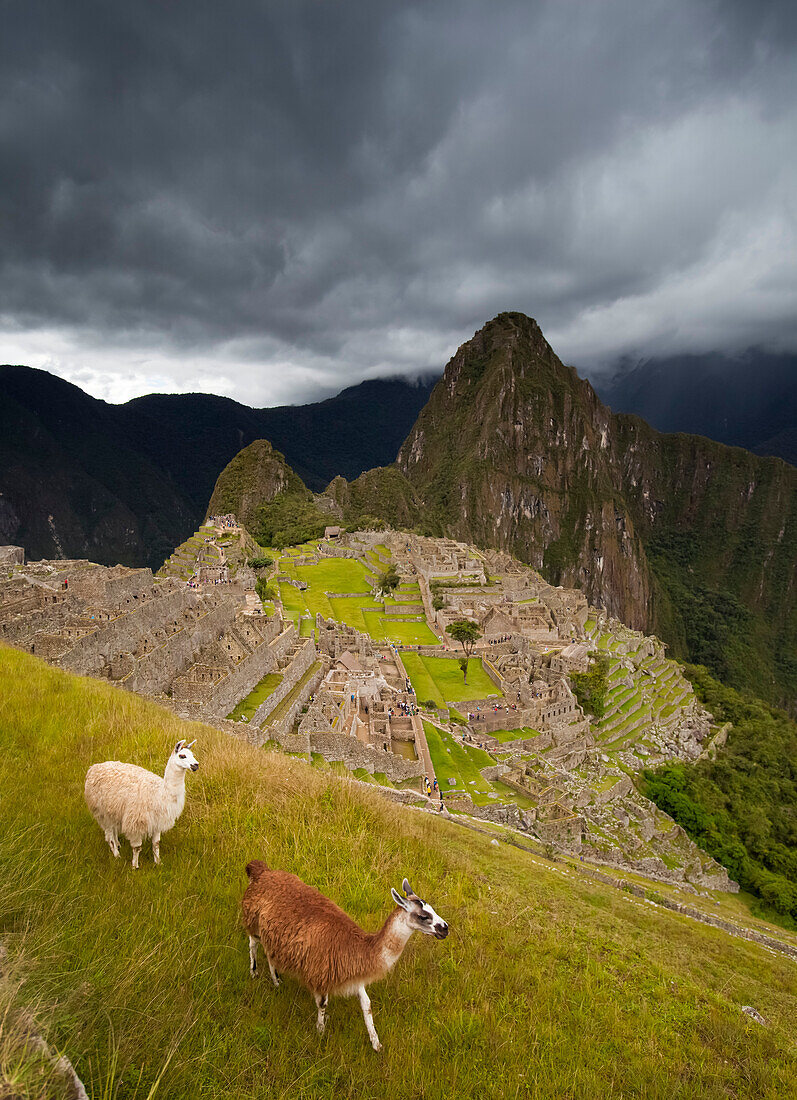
(113,841)
(321,1002)
(274,975)
(156,847)
(365,1004)
(253,942)
(135,844)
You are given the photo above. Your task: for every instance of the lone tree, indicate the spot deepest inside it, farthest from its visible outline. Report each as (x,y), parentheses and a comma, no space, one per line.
(467,633)
(388,581)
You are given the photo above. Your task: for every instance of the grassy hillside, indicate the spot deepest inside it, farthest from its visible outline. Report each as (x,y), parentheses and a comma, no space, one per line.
(548,986)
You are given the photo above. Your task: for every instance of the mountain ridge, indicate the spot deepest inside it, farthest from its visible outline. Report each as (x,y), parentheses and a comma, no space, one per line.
(713,396)
(80,477)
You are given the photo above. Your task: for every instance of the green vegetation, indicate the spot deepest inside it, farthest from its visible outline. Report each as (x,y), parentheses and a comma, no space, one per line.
(289,518)
(265,590)
(545,988)
(439,679)
(378,497)
(742,806)
(514,735)
(261,562)
(365,613)
(590,687)
(388,581)
(453,760)
(710,626)
(247,707)
(465,632)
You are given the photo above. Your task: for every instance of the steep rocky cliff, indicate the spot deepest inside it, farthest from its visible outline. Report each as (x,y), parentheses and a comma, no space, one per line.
(671,533)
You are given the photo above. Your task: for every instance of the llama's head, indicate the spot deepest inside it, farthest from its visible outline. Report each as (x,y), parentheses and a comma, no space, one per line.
(422,917)
(183,757)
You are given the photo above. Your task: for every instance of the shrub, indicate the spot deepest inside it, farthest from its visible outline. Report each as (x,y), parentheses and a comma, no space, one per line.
(590,687)
(264,590)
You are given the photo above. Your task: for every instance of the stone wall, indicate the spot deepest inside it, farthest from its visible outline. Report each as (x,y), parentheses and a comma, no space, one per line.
(335,550)
(495,771)
(354,754)
(238,682)
(501,813)
(91,654)
(291,675)
(12,555)
(283,641)
(117,588)
(282,730)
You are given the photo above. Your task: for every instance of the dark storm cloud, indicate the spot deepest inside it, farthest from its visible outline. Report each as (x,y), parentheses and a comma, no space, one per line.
(274,198)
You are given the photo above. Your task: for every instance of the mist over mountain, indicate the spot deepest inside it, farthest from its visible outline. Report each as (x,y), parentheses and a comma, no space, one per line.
(746,401)
(127,483)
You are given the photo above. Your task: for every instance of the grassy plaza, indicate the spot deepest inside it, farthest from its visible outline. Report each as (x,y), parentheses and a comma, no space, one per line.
(440,679)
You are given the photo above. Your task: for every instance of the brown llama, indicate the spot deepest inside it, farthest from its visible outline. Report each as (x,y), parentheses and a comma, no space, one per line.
(308,936)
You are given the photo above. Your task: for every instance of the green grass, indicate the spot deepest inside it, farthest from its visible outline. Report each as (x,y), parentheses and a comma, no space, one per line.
(453,760)
(363,775)
(514,735)
(440,678)
(383,629)
(363,613)
(549,986)
(247,706)
(333,575)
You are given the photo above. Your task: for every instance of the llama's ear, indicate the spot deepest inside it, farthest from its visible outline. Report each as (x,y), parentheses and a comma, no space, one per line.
(399,900)
(178,746)
(405,886)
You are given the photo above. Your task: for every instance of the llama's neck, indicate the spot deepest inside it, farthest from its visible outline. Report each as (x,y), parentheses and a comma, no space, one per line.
(392,938)
(173,781)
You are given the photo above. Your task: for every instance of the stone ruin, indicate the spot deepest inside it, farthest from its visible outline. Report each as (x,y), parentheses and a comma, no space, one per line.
(155,638)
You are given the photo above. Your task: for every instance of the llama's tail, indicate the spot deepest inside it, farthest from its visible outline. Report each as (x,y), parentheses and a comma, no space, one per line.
(255,868)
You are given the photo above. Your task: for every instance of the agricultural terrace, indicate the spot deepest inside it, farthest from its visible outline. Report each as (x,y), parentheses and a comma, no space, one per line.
(440,679)
(327,582)
(259,693)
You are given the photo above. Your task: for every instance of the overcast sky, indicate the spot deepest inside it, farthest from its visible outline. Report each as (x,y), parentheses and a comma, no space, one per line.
(271,199)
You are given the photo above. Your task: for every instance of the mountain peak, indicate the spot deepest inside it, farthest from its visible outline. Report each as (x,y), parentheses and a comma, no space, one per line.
(515,451)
